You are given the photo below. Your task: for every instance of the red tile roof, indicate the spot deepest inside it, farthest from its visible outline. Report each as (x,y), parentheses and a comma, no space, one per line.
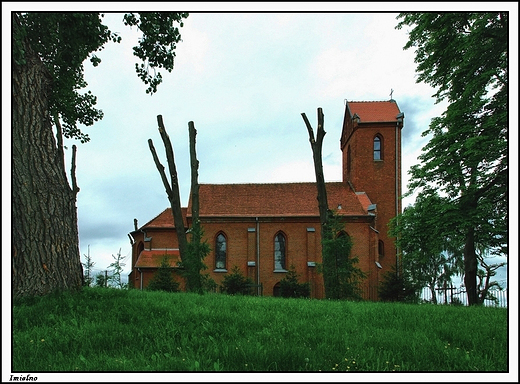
(153,258)
(364,200)
(268,200)
(277,199)
(374,111)
(165,219)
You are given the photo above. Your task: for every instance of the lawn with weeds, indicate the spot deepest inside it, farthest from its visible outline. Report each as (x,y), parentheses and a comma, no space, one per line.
(100,330)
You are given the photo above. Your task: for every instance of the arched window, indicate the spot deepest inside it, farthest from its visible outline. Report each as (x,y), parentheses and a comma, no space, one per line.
(381,249)
(378,147)
(220,251)
(279,252)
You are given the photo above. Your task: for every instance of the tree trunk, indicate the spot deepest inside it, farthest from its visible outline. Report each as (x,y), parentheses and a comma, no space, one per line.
(434,294)
(195,263)
(316,145)
(172,187)
(45,243)
(470,268)
(194,178)
(190,252)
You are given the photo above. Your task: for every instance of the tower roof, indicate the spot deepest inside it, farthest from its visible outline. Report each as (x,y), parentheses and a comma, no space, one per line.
(374,111)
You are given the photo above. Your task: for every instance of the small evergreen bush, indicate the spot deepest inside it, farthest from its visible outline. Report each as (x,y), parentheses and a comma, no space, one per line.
(163,280)
(236,284)
(397,287)
(290,287)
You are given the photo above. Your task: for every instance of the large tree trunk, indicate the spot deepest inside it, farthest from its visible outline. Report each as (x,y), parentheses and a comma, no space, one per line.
(470,268)
(45,244)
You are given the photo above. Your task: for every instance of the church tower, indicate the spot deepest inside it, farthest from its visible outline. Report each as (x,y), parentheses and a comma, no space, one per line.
(371,146)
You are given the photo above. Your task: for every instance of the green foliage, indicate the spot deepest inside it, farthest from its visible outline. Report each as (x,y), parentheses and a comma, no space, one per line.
(193,264)
(464,56)
(398,287)
(163,280)
(236,284)
(290,287)
(75,332)
(342,278)
(116,267)
(157,47)
(452,48)
(430,253)
(88,279)
(208,283)
(100,280)
(64,40)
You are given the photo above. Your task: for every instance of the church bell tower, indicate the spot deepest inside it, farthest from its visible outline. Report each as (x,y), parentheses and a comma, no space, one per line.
(371,147)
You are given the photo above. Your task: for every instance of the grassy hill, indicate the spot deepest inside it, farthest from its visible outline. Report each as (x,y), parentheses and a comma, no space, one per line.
(100,330)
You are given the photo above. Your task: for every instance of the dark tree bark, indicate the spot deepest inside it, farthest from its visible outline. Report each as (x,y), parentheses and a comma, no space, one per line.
(470,268)
(194,176)
(45,242)
(316,145)
(172,186)
(191,252)
(196,255)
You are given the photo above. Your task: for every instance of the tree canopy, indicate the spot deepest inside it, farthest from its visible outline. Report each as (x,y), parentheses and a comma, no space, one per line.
(430,253)
(464,56)
(64,41)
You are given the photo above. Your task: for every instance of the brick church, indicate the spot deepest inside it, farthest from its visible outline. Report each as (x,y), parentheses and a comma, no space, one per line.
(264,229)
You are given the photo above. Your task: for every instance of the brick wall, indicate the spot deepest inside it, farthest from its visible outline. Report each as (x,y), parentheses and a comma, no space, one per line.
(302,246)
(377,178)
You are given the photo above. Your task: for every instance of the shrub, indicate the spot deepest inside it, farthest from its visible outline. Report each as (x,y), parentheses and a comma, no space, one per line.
(163,280)
(290,287)
(208,284)
(397,287)
(193,261)
(236,284)
(341,275)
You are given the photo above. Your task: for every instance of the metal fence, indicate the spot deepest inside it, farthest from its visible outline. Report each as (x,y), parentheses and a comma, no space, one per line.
(448,295)
(453,295)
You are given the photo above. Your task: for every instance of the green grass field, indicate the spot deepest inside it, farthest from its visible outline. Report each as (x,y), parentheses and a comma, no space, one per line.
(100,330)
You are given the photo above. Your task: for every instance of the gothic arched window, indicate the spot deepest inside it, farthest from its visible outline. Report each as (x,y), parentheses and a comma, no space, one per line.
(378,147)
(220,251)
(279,252)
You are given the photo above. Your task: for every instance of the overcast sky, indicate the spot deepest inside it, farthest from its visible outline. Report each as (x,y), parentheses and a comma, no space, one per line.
(244,79)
